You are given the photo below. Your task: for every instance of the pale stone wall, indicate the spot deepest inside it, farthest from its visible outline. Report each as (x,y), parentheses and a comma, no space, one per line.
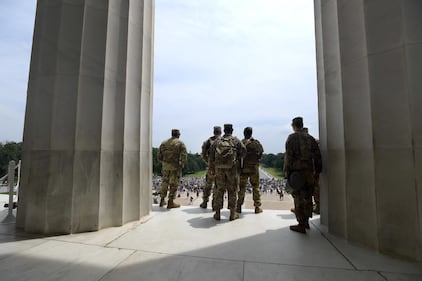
(369,58)
(87,137)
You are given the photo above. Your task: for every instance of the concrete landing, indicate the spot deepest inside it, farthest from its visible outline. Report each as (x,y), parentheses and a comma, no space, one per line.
(188,244)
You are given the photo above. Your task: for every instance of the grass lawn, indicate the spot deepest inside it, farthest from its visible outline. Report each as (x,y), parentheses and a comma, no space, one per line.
(277,173)
(198,174)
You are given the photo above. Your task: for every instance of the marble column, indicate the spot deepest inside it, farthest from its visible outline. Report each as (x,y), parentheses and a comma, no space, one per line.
(369,56)
(86,159)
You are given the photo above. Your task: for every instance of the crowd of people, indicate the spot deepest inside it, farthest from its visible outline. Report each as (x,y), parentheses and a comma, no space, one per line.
(233,169)
(195,187)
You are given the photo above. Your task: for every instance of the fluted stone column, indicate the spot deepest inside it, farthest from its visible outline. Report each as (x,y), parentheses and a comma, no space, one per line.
(369,55)
(87,135)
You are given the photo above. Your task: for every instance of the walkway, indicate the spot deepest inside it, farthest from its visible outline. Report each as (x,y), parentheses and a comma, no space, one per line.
(188,244)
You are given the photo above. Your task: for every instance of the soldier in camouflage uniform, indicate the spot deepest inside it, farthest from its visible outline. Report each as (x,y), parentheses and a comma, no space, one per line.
(226,169)
(302,155)
(172,153)
(316,193)
(209,178)
(249,169)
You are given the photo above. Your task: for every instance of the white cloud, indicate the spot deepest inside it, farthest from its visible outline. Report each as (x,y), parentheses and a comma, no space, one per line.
(247,62)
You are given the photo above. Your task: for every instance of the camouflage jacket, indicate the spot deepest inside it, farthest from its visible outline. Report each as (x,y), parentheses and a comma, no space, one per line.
(205,148)
(254,152)
(172,153)
(302,154)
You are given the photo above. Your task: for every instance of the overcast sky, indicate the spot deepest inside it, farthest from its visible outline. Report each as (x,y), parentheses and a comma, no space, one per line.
(244,62)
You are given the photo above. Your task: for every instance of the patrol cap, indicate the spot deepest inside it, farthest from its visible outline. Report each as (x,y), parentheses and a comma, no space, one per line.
(175,132)
(228,127)
(297,122)
(217,129)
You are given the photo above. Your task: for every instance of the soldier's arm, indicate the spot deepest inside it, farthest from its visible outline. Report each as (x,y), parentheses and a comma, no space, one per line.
(241,148)
(316,157)
(183,154)
(260,149)
(204,150)
(287,157)
(211,159)
(159,154)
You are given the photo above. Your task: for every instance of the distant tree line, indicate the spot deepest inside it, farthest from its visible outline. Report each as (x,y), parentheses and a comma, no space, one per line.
(9,151)
(13,151)
(273,160)
(195,163)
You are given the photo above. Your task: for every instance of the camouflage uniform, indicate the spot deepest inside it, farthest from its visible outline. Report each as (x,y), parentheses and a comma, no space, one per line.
(250,170)
(302,154)
(209,177)
(172,153)
(316,196)
(226,177)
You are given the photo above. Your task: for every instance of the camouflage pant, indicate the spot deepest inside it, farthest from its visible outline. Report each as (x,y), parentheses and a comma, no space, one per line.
(226,178)
(316,193)
(209,181)
(251,173)
(170,178)
(303,200)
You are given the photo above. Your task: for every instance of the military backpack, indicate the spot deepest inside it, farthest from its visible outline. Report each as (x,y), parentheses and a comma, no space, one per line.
(254,151)
(225,153)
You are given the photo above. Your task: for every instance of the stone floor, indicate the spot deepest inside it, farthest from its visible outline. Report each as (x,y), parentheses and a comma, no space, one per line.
(188,244)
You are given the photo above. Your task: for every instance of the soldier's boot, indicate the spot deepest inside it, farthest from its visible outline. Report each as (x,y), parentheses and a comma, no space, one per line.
(171,204)
(233,215)
(239,209)
(204,204)
(217,215)
(298,228)
(258,210)
(162,202)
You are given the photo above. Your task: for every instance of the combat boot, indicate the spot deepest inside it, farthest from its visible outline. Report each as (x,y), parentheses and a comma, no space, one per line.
(203,205)
(217,215)
(233,215)
(171,204)
(239,209)
(298,228)
(258,210)
(162,202)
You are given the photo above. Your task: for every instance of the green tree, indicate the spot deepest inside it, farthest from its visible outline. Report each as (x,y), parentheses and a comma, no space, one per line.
(194,163)
(273,160)
(9,151)
(156,165)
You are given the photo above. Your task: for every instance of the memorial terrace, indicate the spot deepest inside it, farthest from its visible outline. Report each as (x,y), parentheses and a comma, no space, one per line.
(188,244)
